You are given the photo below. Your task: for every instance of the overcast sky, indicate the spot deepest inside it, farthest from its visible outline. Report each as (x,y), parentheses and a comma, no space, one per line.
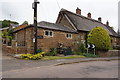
(21,10)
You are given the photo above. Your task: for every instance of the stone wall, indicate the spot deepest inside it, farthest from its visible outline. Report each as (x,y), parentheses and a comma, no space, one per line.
(114,41)
(14,49)
(110,53)
(21,43)
(118,40)
(58,37)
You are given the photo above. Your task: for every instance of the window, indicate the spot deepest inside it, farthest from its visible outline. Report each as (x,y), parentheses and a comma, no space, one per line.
(4,41)
(115,39)
(68,35)
(49,33)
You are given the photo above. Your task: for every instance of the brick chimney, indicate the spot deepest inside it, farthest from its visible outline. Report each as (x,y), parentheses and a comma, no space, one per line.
(89,15)
(100,19)
(78,11)
(107,23)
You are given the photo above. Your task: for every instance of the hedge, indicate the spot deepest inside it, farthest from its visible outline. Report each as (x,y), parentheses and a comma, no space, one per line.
(100,38)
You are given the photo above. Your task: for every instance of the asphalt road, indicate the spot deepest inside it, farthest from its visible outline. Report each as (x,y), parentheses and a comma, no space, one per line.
(95,69)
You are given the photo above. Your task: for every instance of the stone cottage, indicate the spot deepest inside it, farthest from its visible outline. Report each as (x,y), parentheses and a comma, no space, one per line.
(50,35)
(84,24)
(69,30)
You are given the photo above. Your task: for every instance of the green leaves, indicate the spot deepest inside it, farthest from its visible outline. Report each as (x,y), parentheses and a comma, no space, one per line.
(8,35)
(25,22)
(100,38)
(6,23)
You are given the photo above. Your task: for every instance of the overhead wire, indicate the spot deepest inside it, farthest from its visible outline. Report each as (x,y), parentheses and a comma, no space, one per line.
(58,4)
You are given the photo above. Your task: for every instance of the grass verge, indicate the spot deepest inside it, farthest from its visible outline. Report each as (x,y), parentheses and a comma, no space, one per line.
(62,57)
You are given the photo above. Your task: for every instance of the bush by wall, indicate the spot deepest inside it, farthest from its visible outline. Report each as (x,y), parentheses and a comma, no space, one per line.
(52,52)
(100,38)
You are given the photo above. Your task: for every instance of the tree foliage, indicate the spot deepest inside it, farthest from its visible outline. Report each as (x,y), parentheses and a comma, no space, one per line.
(100,38)
(8,34)
(25,22)
(6,23)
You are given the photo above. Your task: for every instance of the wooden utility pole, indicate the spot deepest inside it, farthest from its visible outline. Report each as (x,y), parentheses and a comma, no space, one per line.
(34,6)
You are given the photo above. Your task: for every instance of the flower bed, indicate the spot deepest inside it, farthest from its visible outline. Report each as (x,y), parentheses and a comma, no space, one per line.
(31,56)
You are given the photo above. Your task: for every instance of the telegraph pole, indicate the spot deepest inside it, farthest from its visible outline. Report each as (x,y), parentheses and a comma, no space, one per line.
(34,6)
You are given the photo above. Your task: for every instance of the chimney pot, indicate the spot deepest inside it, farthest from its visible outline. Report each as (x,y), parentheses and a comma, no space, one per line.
(100,19)
(78,11)
(107,23)
(89,15)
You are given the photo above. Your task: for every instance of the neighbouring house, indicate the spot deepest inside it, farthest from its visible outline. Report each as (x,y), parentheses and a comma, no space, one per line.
(69,30)
(84,24)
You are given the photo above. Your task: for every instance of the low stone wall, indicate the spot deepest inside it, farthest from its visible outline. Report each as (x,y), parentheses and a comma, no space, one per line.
(21,50)
(110,53)
(13,49)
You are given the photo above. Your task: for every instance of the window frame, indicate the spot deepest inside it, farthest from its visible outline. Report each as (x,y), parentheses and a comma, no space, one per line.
(68,35)
(49,33)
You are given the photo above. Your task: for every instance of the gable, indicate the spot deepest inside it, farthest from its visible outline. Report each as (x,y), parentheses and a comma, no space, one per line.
(64,21)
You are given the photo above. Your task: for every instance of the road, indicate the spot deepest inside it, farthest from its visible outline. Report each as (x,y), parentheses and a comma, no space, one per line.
(95,69)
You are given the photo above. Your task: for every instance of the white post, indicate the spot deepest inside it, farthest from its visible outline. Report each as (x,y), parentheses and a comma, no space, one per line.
(94,51)
(87,50)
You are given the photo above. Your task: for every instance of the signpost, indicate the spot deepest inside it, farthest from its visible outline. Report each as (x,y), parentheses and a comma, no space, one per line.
(90,46)
(34,6)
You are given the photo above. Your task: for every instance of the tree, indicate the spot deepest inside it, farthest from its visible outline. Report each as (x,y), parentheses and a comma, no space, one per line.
(8,35)
(25,22)
(100,38)
(4,34)
(6,23)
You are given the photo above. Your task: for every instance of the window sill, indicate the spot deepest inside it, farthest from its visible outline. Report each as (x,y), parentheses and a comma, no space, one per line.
(9,46)
(69,38)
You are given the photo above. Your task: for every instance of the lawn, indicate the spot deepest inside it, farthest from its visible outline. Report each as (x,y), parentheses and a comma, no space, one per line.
(62,57)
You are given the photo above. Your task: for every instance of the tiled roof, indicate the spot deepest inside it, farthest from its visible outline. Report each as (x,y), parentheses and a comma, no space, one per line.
(54,26)
(47,25)
(4,28)
(83,23)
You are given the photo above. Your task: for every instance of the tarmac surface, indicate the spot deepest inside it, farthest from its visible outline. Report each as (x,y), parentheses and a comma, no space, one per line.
(96,69)
(62,68)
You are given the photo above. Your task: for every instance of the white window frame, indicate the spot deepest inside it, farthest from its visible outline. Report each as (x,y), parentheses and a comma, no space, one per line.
(48,33)
(69,36)
(115,39)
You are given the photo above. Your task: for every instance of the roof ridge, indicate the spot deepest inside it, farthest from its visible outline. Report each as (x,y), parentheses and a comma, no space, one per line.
(82,16)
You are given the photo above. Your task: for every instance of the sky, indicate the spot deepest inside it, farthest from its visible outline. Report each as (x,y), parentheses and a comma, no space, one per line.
(48,10)
(119,16)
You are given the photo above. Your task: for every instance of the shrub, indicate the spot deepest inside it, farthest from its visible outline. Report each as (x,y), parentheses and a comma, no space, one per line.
(100,38)
(89,55)
(82,48)
(77,53)
(67,51)
(31,56)
(52,52)
(39,50)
